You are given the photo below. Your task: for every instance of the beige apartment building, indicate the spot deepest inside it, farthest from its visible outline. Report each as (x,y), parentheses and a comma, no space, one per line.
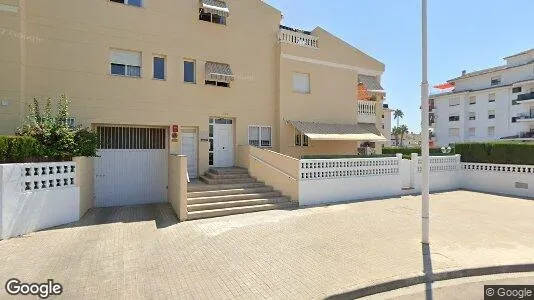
(191,77)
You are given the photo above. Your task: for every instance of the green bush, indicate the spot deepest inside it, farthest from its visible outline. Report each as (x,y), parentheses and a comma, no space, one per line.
(409,151)
(326,156)
(15,149)
(86,142)
(58,140)
(497,152)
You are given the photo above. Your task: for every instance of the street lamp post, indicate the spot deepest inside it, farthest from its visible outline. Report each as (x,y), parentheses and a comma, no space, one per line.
(425,182)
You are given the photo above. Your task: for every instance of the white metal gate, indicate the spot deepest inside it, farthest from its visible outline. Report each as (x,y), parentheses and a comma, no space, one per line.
(189,148)
(132,166)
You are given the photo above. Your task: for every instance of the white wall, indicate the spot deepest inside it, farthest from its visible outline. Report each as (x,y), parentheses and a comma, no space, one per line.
(498,179)
(27,206)
(337,180)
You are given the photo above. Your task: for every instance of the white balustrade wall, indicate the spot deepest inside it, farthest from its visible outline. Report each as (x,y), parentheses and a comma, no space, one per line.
(515,180)
(366,111)
(443,173)
(35,196)
(298,38)
(337,180)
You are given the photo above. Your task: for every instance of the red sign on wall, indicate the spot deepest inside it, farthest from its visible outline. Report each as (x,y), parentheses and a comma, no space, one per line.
(175,128)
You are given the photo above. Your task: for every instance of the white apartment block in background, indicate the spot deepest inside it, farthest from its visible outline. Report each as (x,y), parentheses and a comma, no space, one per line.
(491,104)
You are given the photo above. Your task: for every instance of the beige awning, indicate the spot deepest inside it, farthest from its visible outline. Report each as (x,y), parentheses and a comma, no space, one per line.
(215,7)
(218,72)
(371,83)
(339,132)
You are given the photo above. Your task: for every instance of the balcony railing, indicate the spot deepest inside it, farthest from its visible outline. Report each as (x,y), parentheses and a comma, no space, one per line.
(523,97)
(366,111)
(298,38)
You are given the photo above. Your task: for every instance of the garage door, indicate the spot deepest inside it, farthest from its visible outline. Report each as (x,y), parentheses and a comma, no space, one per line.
(132,166)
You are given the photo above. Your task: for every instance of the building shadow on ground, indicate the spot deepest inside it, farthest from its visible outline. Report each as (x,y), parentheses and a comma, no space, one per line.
(162,214)
(427,278)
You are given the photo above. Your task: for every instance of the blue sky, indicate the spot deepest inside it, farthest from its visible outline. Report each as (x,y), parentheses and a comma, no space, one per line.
(466,34)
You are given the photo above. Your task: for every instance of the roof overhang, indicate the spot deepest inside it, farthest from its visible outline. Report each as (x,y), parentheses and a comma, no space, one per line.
(339,132)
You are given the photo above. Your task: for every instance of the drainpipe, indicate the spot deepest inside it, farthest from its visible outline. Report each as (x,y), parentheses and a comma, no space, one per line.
(22,45)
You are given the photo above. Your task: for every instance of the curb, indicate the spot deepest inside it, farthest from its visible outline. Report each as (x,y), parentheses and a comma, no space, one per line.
(420,279)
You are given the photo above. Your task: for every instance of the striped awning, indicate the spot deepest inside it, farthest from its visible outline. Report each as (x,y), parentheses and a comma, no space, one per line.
(339,132)
(218,72)
(215,7)
(371,83)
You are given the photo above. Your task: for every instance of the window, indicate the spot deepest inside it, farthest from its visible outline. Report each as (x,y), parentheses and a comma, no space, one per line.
(454,132)
(472,100)
(472,116)
(454,101)
(260,136)
(496,80)
(137,3)
(516,90)
(491,114)
(301,139)
(301,83)
(71,122)
(491,97)
(472,131)
(125,63)
(491,131)
(454,118)
(189,71)
(217,83)
(159,67)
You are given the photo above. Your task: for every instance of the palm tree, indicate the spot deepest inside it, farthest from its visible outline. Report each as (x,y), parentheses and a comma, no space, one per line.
(396,131)
(403,130)
(397,115)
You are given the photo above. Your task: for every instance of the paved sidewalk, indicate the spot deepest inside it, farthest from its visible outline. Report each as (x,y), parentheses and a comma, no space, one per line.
(141,252)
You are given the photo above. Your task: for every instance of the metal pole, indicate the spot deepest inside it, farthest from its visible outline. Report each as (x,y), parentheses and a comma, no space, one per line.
(425,189)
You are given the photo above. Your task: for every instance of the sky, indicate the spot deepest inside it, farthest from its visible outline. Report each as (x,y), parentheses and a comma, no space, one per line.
(462,35)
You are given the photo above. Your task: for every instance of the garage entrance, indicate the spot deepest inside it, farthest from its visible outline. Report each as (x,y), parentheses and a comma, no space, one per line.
(132,166)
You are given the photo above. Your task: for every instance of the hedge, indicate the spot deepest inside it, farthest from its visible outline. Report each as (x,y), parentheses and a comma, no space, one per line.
(15,149)
(326,156)
(497,153)
(409,151)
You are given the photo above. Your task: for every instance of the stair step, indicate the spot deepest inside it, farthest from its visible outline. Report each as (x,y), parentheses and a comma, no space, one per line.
(236,210)
(234,204)
(264,189)
(222,171)
(220,187)
(234,197)
(227,176)
(227,181)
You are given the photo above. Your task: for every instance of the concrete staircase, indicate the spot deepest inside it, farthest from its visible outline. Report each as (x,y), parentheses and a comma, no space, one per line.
(230,191)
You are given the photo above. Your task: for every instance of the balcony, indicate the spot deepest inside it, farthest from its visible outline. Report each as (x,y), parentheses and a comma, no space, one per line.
(525,98)
(525,117)
(288,35)
(366,111)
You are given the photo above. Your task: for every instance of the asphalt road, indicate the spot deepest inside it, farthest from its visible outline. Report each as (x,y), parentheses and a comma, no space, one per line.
(459,289)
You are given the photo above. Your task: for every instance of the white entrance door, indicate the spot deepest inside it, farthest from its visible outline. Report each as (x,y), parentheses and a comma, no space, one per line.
(189,148)
(223,145)
(132,166)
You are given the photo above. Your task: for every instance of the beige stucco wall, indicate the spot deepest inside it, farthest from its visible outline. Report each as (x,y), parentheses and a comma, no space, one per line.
(333,70)
(277,170)
(73,58)
(11,41)
(85,180)
(178,185)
